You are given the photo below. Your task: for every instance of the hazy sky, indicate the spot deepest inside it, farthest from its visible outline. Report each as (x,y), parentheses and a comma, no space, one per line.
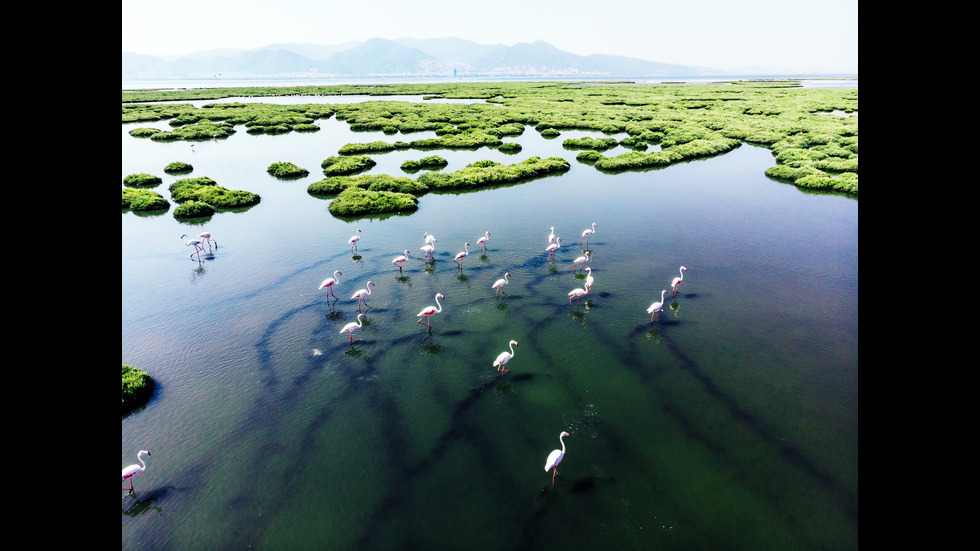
(793,36)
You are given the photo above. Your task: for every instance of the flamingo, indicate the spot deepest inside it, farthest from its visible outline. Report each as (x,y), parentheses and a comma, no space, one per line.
(553,247)
(462,255)
(196,243)
(555,457)
(133,470)
(429,310)
(578,294)
(581,260)
(397,261)
(551,237)
(429,238)
(589,280)
(483,241)
(330,282)
(352,326)
(499,284)
(656,307)
(361,294)
(206,236)
(586,234)
(504,357)
(677,280)
(354,239)
(429,247)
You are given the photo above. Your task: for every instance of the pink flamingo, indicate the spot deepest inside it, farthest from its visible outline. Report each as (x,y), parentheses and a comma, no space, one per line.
(353,240)
(656,307)
(677,280)
(550,249)
(429,310)
(483,241)
(330,282)
(398,260)
(589,280)
(429,238)
(499,284)
(555,457)
(361,295)
(504,357)
(352,326)
(129,472)
(581,260)
(196,243)
(578,294)
(462,255)
(551,236)
(428,248)
(586,234)
(206,236)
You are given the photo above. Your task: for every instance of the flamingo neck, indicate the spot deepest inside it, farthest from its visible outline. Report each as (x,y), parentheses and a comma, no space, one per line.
(439,309)
(562,440)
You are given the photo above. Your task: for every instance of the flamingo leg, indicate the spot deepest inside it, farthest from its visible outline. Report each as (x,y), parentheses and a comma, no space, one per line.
(554,474)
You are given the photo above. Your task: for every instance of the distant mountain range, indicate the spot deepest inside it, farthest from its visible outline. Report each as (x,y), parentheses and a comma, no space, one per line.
(405,57)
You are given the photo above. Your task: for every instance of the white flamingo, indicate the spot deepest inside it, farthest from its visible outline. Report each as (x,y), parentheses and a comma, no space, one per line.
(677,280)
(550,249)
(586,234)
(578,294)
(362,294)
(581,260)
(352,326)
(429,238)
(330,282)
(354,239)
(551,236)
(398,260)
(428,248)
(656,307)
(504,357)
(129,472)
(462,255)
(589,280)
(483,241)
(555,457)
(196,243)
(206,236)
(429,310)
(499,284)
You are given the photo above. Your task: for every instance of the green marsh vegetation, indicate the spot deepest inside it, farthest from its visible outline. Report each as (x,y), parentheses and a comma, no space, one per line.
(286,170)
(202,196)
(137,387)
(814,147)
(342,165)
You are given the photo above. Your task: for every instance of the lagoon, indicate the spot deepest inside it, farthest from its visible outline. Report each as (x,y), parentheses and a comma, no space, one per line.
(732,422)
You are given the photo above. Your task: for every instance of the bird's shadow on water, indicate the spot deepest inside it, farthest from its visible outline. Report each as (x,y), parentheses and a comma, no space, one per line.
(138,503)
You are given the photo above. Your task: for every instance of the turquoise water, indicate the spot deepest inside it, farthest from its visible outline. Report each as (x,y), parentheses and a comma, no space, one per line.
(731,422)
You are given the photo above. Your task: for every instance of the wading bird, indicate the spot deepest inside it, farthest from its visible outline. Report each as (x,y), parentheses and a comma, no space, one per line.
(551,236)
(428,248)
(586,234)
(352,326)
(589,280)
(129,472)
(656,307)
(330,282)
(206,236)
(462,255)
(429,238)
(580,261)
(550,249)
(196,243)
(677,280)
(429,310)
(398,260)
(354,239)
(499,284)
(483,241)
(504,357)
(555,457)
(362,294)
(578,294)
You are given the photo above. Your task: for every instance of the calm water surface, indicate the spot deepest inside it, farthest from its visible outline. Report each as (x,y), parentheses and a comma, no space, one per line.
(730,423)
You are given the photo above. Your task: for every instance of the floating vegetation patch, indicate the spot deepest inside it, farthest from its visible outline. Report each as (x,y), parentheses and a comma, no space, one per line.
(341,165)
(286,170)
(143,200)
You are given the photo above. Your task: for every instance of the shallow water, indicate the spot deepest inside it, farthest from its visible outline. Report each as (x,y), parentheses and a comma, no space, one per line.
(731,422)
